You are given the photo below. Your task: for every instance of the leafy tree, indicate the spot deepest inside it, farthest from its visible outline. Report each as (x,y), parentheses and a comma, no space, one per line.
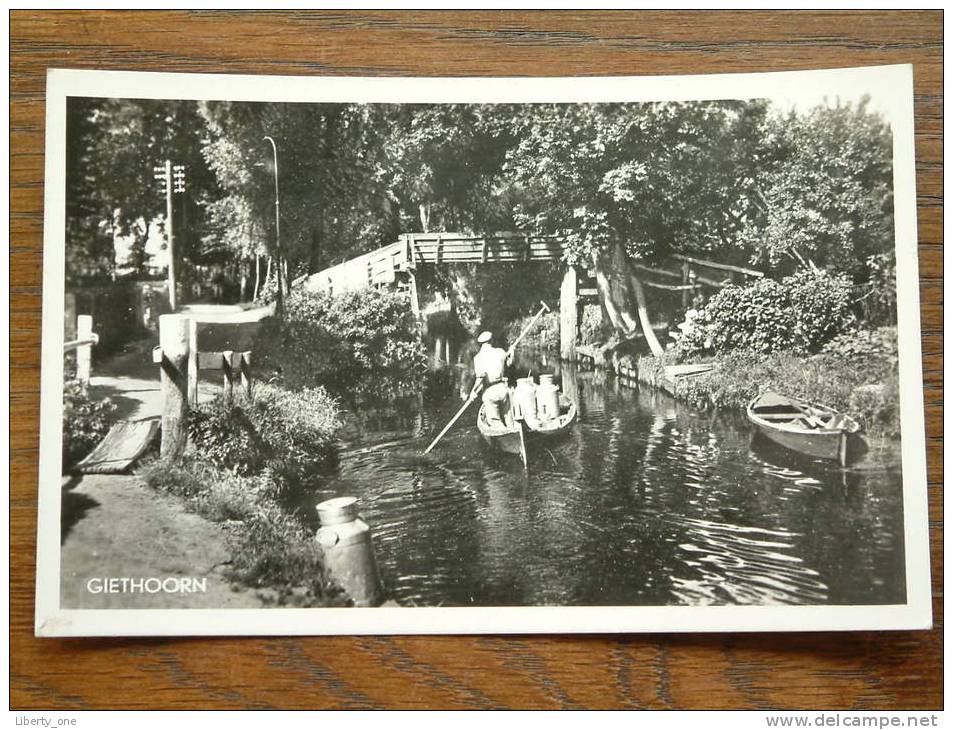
(827,198)
(624,181)
(113,146)
(445,161)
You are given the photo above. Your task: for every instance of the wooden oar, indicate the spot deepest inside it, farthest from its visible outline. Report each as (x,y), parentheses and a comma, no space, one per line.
(542,310)
(473,397)
(813,415)
(523,445)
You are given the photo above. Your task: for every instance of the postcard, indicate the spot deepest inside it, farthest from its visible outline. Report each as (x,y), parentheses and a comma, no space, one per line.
(481,355)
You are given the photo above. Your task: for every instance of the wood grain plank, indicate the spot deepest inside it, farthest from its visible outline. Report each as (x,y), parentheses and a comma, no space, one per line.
(895,670)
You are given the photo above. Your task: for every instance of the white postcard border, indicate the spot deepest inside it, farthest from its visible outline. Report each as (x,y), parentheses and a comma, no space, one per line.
(893,88)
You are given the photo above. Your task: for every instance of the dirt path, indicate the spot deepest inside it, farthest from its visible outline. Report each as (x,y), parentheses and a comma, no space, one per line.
(114,526)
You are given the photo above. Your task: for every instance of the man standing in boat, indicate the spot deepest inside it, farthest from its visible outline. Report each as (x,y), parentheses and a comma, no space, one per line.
(489,366)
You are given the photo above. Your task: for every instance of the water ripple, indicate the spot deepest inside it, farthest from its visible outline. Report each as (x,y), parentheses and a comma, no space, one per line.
(645,503)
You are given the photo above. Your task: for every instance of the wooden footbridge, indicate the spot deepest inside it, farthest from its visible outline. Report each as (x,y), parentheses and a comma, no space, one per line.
(396,264)
(382,266)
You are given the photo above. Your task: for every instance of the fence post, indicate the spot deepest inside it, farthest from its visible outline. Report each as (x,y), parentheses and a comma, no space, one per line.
(174,346)
(193,362)
(568,314)
(227,375)
(686,279)
(246,374)
(84,353)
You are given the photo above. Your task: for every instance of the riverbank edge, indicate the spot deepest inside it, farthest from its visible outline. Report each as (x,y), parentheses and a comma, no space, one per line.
(243,457)
(873,402)
(269,550)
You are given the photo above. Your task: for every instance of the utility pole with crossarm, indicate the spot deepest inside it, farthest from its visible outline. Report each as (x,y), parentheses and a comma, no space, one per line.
(172,178)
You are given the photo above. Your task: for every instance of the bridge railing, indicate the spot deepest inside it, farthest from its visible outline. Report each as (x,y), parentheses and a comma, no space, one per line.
(413,249)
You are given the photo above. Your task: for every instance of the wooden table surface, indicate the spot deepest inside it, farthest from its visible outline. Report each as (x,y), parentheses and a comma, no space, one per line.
(898,670)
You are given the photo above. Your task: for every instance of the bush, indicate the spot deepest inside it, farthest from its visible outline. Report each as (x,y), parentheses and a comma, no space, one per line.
(225,433)
(879,302)
(272,548)
(291,434)
(593,328)
(878,405)
(864,343)
(821,307)
(543,336)
(211,492)
(342,341)
(268,546)
(114,307)
(800,313)
(85,422)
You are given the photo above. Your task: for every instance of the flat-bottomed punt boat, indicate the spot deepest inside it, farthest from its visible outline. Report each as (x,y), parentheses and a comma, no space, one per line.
(814,430)
(506,436)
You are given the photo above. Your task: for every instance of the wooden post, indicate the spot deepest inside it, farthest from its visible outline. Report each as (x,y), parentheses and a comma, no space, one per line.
(174,347)
(227,379)
(686,279)
(70,311)
(193,362)
(84,353)
(245,367)
(568,314)
(414,296)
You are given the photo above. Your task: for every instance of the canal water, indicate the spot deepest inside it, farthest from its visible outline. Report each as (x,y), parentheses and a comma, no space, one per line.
(646,502)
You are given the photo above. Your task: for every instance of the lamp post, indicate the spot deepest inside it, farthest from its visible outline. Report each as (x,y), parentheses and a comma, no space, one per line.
(279,301)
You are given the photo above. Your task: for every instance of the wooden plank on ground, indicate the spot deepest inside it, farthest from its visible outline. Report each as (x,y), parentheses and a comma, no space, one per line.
(125,442)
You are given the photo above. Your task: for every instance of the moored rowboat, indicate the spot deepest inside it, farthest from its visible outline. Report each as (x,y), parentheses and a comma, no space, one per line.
(506,437)
(807,428)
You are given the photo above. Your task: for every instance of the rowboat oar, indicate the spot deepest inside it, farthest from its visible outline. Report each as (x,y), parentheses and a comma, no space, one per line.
(470,399)
(522,445)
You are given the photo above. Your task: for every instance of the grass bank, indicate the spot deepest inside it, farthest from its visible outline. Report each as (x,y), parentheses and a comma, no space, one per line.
(244,458)
(855,374)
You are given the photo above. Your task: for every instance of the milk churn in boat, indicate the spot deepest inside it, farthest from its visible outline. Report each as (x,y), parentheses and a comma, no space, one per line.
(547,398)
(525,397)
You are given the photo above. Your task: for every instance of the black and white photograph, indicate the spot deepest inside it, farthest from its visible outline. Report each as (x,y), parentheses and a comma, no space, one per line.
(349,355)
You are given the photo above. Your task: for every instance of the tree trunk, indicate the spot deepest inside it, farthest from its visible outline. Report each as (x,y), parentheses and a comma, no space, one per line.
(612,278)
(646,323)
(425,217)
(623,298)
(257,277)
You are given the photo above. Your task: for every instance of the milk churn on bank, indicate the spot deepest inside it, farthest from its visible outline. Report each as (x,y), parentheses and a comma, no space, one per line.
(348,551)
(547,398)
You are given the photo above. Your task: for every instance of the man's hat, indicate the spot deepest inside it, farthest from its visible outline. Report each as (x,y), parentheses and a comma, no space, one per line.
(485,337)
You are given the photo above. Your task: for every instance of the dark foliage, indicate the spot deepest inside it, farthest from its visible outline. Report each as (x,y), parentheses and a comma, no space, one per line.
(291,434)
(85,422)
(360,338)
(800,313)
